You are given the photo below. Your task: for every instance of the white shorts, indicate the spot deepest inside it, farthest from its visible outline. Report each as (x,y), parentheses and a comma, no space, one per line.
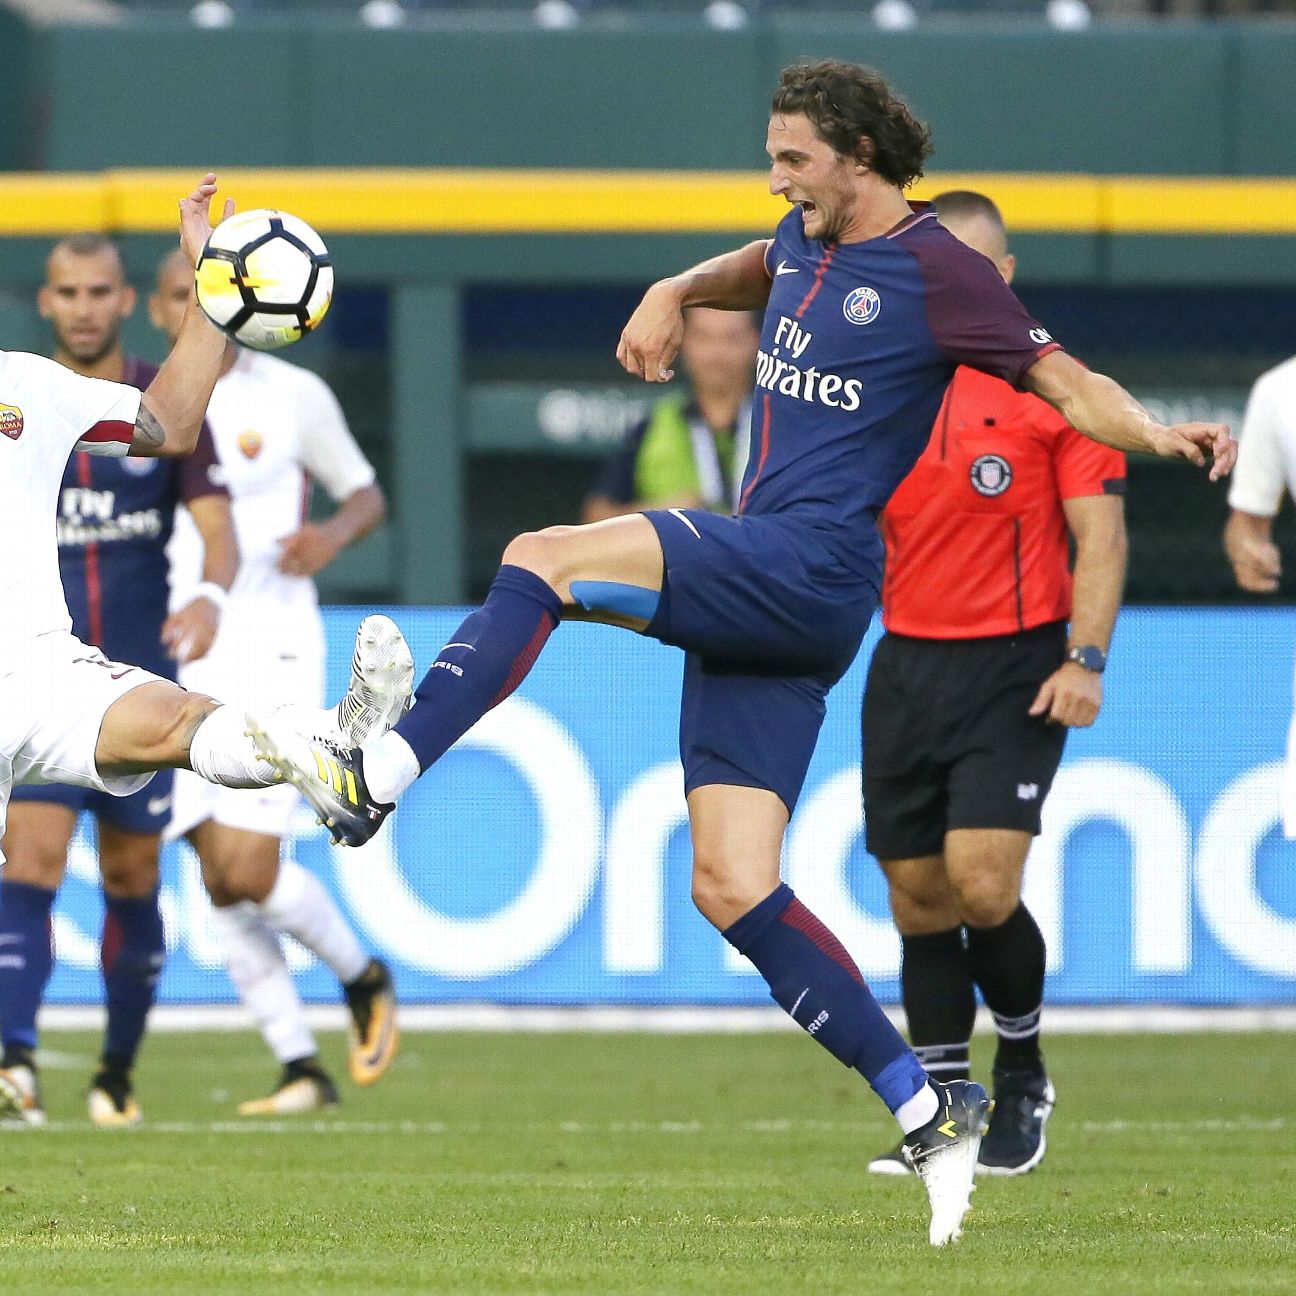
(247,669)
(51,710)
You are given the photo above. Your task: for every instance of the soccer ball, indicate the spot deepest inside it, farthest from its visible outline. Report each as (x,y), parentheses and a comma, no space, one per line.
(264,278)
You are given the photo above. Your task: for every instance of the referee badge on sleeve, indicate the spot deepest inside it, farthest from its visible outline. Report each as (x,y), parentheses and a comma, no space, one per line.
(991,474)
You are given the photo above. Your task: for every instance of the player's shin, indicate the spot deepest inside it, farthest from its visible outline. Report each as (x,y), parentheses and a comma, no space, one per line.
(486,659)
(299,905)
(814,979)
(939,1001)
(221,752)
(26,961)
(132,951)
(1008,962)
(256,964)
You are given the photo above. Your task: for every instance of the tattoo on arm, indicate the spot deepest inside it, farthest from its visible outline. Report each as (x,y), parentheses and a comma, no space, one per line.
(150,435)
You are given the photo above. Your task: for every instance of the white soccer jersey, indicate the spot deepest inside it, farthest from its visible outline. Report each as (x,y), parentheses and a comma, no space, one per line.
(277,427)
(1266,466)
(46,411)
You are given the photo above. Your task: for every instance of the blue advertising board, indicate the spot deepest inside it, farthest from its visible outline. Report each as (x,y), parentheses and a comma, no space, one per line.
(546,859)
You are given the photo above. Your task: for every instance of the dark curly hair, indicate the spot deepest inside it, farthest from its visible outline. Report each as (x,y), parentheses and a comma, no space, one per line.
(854,110)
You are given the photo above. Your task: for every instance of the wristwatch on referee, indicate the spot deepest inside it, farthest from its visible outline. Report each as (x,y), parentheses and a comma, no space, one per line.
(1088,657)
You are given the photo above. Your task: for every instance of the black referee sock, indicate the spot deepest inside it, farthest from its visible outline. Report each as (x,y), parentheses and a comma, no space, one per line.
(1007,962)
(939,1001)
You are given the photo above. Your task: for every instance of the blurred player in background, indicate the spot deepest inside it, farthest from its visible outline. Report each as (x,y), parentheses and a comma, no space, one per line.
(1266,471)
(689,452)
(970,694)
(278,428)
(114,521)
(869,307)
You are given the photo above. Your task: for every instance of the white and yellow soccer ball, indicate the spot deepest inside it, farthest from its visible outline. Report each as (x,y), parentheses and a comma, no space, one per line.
(264,278)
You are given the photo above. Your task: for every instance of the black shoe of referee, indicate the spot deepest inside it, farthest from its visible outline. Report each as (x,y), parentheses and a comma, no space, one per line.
(1015,1143)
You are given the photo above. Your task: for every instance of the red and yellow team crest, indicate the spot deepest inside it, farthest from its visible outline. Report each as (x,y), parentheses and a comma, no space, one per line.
(11,421)
(250,443)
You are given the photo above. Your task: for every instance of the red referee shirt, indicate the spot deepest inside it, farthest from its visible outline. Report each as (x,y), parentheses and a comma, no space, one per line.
(976,537)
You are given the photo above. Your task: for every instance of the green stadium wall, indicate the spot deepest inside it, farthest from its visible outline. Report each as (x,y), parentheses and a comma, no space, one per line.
(1209,99)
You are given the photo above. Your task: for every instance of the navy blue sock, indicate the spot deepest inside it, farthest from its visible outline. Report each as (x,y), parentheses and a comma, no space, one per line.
(485,660)
(133,949)
(814,979)
(26,959)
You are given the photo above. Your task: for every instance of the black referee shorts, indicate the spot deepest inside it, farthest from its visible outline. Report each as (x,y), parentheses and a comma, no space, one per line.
(948,742)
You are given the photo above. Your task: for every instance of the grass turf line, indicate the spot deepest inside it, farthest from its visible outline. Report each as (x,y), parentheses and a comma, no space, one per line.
(645,1164)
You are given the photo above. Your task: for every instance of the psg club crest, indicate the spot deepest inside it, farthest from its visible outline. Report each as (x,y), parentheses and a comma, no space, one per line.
(991,474)
(862,306)
(11,421)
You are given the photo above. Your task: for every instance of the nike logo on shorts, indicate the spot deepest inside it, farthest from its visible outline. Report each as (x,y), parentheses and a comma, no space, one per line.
(680,514)
(784,268)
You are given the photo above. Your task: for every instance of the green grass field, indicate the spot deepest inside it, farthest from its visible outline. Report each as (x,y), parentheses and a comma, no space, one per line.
(637,1164)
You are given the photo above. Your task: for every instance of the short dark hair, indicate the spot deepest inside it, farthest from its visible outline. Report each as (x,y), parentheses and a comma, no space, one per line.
(89,243)
(964,203)
(854,110)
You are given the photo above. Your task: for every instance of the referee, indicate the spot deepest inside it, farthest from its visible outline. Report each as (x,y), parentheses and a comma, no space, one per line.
(969,697)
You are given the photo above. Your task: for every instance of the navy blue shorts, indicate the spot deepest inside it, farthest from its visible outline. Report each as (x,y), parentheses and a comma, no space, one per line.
(145,811)
(771,618)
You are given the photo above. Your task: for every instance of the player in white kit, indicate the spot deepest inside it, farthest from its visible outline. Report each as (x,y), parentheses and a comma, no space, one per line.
(278,429)
(67,713)
(1265,472)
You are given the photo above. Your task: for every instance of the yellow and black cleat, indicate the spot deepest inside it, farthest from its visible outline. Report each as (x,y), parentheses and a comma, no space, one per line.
(330,777)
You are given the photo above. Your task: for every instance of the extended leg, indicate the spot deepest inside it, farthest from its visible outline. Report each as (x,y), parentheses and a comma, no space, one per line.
(486,659)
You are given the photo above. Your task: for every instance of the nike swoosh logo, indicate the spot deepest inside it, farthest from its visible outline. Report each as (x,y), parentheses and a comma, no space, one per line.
(784,268)
(679,513)
(159,805)
(797,1005)
(460,645)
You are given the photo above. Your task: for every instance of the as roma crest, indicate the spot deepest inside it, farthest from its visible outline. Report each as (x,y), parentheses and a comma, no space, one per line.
(250,443)
(11,421)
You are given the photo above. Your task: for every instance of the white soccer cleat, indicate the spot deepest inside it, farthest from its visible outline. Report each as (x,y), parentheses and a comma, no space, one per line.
(943,1154)
(382,682)
(20,1096)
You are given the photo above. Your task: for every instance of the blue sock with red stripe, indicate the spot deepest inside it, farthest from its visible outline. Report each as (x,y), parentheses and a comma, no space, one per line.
(26,960)
(132,951)
(485,660)
(813,979)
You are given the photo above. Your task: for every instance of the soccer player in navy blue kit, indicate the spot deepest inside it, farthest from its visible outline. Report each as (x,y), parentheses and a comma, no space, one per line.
(114,521)
(869,307)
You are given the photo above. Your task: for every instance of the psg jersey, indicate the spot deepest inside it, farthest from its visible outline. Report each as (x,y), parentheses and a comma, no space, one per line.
(114,519)
(860,341)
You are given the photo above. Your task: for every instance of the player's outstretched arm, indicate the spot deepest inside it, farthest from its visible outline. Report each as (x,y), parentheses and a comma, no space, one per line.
(735,280)
(1103,410)
(172,411)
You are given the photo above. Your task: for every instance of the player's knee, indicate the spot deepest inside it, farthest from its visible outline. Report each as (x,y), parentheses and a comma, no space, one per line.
(35,863)
(131,872)
(922,904)
(723,890)
(231,875)
(540,552)
(985,900)
(167,727)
